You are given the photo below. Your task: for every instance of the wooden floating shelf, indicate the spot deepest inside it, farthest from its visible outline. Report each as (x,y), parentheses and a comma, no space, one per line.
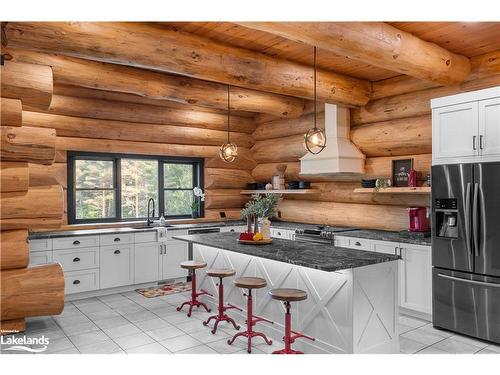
(396,190)
(285,191)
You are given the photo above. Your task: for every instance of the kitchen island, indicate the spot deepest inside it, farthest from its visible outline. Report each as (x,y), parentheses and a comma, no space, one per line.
(352,304)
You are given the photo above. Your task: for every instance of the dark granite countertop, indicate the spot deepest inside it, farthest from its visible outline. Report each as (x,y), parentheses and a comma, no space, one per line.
(382,235)
(318,256)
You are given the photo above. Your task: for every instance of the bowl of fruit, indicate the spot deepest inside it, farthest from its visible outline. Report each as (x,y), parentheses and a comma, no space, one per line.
(253,239)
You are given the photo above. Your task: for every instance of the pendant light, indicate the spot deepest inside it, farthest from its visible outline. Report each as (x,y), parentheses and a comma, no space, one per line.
(315,139)
(228,151)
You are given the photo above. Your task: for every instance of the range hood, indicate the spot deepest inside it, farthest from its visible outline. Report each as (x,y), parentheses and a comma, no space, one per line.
(340,157)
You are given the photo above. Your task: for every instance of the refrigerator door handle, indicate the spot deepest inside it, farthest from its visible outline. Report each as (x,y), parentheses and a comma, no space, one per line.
(483,283)
(475,219)
(468,217)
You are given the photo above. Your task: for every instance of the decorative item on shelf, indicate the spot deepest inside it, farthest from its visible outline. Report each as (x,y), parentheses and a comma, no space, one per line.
(279,179)
(412,178)
(315,138)
(228,151)
(400,172)
(269,186)
(198,197)
(382,183)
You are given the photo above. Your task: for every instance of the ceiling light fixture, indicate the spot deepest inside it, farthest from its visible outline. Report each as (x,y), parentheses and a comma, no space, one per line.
(315,139)
(228,151)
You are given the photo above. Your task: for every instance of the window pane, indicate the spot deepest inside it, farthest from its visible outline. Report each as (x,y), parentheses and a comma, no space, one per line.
(139,183)
(95,204)
(178,202)
(178,176)
(91,174)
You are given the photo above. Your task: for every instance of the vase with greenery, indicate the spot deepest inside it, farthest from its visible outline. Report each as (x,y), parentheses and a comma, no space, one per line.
(260,206)
(198,197)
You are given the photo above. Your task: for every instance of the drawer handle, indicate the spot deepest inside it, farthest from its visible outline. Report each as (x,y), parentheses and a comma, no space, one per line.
(76,242)
(117,252)
(76,282)
(76,259)
(279,233)
(232,230)
(357,243)
(117,239)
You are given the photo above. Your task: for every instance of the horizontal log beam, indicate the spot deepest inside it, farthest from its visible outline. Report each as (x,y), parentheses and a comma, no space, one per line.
(482,66)
(34,291)
(43,175)
(244,160)
(157,48)
(30,83)
(68,126)
(7,327)
(11,112)
(39,201)
(160,86)
(414,103)
(395,137)
(225,198)
(14,177)
(345,214)
(140,113)
(34,145)
(283,149)
(223,214)
(38,223)
(285,127)
(14,252)
(216,178)
(378,44)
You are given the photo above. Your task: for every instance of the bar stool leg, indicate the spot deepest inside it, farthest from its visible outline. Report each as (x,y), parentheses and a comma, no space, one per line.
(221,311)
(289,339)
(194,297)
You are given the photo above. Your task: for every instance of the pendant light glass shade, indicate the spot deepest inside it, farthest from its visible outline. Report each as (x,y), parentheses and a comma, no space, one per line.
(315,139)
(228,151)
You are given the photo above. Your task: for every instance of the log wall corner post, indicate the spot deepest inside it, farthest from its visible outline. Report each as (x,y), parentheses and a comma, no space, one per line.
(26,291)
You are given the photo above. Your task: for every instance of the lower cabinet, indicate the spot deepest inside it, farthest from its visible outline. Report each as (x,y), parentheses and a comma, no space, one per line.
(415,276)
(40,257)
(146,261)
(117,266)
(81,281)
(173,253)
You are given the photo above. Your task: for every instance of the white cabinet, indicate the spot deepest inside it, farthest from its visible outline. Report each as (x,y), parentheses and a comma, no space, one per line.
(287,234)
(42,244)
(173,253)
(234,229)
(74,242)
(466,127)
(455,131)
(40,257)
(386,247)
(77,259)
(489,127)
(415,278)
(116,266)
(81,281)
(146,262)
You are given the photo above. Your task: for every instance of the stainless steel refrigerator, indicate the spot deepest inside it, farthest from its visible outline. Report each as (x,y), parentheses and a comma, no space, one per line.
(466,249)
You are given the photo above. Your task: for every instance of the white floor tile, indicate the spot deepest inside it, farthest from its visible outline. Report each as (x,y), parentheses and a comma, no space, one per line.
(412,322)
(120,331)
(153,348)
(104,347)
(111,322)
(409,346)
(487,351)
(432,350)
(422,336)
(88,338)
(79,328)
(202,349)
(176,344)
(132,341)
(494,348)
(191,326)
(164,333)
(222,347)
(139,316)
(470,341)
(454,346)
(152,324)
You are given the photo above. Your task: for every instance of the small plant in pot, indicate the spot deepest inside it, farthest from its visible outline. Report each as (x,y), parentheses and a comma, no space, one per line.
(263,207)
(198,197)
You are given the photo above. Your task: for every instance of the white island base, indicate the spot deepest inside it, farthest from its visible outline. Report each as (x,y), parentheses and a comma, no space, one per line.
(348,311)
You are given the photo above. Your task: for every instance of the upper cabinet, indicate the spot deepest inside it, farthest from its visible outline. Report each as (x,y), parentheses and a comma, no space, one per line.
(466,127)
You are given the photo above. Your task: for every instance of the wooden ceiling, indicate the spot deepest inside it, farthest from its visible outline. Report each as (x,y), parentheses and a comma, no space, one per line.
(467,38)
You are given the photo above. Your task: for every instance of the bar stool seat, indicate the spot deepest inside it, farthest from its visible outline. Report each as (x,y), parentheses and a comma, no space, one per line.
(220,272)
(193,265)
(221,310)
(288,294)
(251,283)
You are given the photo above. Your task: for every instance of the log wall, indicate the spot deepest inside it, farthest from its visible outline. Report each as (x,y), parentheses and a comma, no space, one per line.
(387,128)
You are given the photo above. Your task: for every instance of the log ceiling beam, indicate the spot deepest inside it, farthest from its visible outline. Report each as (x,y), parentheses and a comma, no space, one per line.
(378,44)
(171,51)
(157,86)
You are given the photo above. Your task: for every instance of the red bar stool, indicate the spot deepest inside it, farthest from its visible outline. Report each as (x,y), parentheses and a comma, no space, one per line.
(289,295)
(221,312)
(251,283)
(192,266)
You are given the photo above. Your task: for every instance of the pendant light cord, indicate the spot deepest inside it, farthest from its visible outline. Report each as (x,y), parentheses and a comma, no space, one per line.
(315,96)
(228,112)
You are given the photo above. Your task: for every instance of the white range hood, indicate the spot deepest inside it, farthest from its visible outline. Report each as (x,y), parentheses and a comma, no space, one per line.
(340,157)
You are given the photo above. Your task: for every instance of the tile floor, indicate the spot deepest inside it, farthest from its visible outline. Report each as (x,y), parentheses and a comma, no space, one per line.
(130,323)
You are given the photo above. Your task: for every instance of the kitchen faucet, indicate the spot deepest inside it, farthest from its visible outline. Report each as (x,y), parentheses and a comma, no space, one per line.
(150,218)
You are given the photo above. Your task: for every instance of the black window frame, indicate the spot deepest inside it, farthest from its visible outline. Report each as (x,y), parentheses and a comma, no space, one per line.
(198,180)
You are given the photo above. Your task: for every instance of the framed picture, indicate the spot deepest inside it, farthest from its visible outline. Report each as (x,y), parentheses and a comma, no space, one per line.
(400,171)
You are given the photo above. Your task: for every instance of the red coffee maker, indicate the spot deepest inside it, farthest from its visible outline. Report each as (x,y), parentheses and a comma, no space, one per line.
(419,220)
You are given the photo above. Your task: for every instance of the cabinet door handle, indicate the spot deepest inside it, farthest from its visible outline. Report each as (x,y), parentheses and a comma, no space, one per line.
(357,243)
(76,282)
(117,252)
(117,239)
(474,142)
(76,259)
(76,242)
(232,230)
(481,142)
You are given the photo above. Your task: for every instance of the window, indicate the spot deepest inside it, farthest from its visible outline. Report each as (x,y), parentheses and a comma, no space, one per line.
(113,187)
